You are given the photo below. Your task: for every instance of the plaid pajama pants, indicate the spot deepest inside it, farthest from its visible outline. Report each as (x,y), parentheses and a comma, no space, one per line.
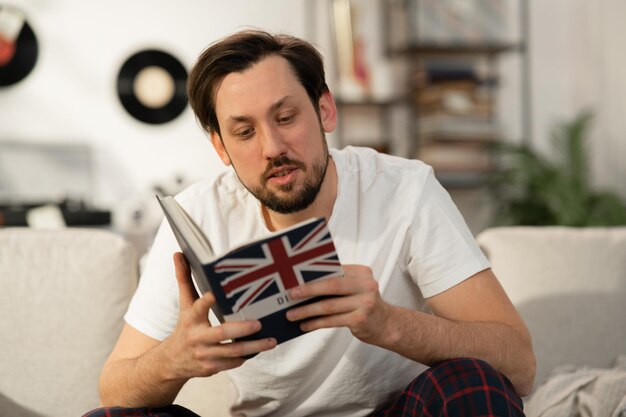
(458,387)
(455,388)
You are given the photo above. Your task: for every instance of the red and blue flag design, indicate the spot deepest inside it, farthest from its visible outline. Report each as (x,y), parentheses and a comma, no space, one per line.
(270,267)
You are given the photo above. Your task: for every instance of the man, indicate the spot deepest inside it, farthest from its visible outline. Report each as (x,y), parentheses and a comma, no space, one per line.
(417,292)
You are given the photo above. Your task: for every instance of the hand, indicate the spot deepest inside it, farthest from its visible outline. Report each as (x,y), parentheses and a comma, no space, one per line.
(356,304)
(195,347)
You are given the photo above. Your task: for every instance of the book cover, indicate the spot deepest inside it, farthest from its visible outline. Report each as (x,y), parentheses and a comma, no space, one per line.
(251,281)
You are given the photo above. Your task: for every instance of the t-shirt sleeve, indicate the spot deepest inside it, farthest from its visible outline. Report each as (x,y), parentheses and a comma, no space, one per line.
(443,250)
(153,309)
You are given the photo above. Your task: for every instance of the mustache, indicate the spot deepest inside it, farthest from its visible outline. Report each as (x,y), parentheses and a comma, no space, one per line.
(280,161)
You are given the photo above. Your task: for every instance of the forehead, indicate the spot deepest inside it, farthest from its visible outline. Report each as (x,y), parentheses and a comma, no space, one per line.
(257,88)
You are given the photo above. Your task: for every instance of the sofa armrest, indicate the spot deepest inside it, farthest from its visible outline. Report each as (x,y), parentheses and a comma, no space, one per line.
(569,285)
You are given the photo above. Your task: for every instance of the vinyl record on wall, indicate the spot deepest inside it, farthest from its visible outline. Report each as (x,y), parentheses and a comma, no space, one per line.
(151,86)
(18,46)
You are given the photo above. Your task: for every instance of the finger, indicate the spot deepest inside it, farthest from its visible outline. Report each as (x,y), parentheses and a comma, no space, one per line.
(356,270)
(326,322)
(358,323)
(325,307)
(335,286)
(226,356)
(202,305)
(187,292)
(232,330)
(236,350)
(325,286)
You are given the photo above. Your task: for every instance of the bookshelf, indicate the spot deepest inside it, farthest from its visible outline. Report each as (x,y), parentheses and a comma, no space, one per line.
(379,110)
(452,50)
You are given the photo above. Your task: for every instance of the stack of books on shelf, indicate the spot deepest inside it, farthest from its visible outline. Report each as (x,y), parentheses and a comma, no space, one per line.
(456,120)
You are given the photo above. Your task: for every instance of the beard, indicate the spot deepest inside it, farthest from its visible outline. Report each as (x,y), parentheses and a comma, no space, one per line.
(295,200)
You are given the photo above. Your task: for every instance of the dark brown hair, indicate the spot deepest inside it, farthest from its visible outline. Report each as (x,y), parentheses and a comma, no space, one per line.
(240,51)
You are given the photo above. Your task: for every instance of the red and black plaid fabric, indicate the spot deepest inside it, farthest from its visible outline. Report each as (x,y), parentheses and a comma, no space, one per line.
(457,388)
(169,411)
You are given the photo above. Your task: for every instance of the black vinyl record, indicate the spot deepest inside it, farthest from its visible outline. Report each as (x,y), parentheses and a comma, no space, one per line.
(151,86)
(19,55)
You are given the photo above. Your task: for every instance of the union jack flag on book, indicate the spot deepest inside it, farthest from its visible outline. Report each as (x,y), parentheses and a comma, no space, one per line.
(254,279)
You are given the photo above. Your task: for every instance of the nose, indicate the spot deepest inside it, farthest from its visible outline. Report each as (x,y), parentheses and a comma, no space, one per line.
(273,143)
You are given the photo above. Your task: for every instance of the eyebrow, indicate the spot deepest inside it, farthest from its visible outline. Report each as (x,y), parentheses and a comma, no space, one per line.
(277,105)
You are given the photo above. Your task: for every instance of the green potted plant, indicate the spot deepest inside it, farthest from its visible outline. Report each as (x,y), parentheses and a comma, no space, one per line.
(530,189)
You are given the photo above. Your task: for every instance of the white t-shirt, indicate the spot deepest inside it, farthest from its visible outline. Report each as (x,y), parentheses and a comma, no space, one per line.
(391,215)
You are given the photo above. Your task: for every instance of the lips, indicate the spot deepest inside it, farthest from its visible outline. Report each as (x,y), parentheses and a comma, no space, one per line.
(282,176)
(280,172)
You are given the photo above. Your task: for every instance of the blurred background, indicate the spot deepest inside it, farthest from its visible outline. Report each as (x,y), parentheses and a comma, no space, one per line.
(518,105)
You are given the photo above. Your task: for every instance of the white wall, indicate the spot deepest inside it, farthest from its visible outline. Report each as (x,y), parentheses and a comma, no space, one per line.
(578,61)
(71,93)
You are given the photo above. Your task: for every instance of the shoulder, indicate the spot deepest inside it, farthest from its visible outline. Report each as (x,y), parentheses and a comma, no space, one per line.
(372,171)
(368,161)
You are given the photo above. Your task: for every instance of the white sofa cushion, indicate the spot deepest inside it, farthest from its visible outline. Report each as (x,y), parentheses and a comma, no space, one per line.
(211,396)
(62,297)
(569,285)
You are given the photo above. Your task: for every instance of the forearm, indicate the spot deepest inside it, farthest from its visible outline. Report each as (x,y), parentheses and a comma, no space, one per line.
(429,339)
(139,382)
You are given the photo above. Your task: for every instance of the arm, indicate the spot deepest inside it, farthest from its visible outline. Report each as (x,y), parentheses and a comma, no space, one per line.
(142,371)
(473,319)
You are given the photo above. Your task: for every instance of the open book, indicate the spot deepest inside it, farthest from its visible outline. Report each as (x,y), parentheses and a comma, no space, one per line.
(251,281)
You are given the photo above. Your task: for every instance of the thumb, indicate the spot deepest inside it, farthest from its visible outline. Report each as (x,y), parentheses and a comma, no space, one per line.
(187,292)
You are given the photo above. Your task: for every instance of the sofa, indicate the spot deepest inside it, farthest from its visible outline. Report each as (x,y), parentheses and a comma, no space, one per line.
(64,293)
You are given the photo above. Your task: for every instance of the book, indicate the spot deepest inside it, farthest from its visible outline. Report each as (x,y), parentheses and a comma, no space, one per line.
(251,281)
(458,157)
(457,128)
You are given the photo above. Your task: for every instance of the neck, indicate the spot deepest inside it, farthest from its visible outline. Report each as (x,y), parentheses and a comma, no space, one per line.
(321,207)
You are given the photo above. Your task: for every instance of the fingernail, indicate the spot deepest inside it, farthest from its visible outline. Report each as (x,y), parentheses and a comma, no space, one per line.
(295,292)
(291,315)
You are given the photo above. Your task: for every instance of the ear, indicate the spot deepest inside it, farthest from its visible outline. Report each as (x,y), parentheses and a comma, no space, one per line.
(218,144)
(328,112)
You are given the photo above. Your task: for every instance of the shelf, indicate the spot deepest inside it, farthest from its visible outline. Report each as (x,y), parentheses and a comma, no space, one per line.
(469,141)
(370,102)
(463,180)
(433,49)
(382,108)
(452,58)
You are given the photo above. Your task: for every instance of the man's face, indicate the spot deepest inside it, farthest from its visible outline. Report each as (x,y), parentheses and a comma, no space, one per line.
(272,135)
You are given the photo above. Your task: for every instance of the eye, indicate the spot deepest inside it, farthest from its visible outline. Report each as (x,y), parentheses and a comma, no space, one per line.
(286,118)
(244,133)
